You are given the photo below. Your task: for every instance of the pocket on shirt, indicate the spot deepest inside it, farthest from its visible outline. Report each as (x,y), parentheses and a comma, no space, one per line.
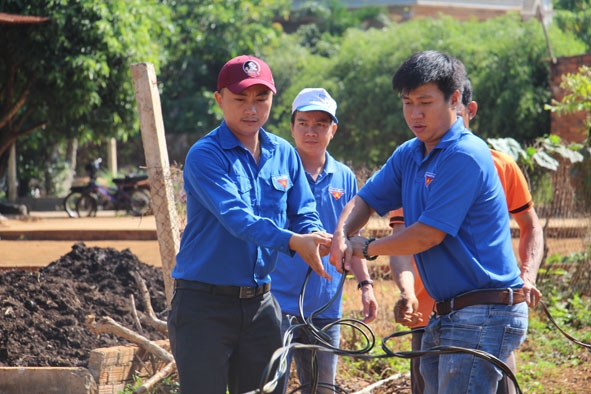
(275,193)
(244,186)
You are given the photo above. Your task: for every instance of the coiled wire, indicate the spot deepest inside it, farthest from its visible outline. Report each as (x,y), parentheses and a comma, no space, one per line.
(278,362)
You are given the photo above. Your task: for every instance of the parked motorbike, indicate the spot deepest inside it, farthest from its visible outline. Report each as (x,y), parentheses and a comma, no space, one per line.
(130,194)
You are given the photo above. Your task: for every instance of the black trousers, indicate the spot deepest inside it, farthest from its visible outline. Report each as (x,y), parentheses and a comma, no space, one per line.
(222,342)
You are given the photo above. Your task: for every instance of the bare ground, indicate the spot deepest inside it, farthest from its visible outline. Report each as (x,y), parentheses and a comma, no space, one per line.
(42,312)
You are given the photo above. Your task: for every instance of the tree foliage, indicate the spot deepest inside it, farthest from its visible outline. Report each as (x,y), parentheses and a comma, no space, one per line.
(575,16)
(208,34)
(505,57)
(321,24)
(70,76)
(577,97)
(74,74)
(540,153)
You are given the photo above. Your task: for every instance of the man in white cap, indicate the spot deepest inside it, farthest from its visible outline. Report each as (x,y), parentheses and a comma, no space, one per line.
(247,200)
(313,126)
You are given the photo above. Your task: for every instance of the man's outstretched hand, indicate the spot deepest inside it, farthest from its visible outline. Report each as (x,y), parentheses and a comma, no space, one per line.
(311,247)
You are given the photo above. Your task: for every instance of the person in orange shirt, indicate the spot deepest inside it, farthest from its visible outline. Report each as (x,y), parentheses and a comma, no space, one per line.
(415,305)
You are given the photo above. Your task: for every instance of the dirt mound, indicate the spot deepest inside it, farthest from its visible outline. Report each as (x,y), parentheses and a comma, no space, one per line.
(43,312)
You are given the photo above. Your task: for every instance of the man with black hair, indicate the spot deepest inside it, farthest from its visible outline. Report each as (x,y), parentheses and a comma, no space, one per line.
(414,306)
(457,227)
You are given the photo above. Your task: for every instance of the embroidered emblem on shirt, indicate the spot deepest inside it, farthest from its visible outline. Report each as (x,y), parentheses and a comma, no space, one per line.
(429,176)
(280,182)
(336,193)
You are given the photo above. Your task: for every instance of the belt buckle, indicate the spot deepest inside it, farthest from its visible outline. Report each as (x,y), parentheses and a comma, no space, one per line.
(247,292)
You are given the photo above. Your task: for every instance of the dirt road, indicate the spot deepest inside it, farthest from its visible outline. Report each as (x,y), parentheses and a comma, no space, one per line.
(44,237)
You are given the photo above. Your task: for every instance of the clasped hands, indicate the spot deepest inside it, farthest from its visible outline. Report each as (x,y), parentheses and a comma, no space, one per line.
(343,248)
(311,247)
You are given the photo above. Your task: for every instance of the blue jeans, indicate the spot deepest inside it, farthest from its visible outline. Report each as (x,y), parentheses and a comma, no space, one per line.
(495,329)
(327,361)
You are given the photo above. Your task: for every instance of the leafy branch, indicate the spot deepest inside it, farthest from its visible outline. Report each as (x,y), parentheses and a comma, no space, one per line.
(577,96)
(542,153)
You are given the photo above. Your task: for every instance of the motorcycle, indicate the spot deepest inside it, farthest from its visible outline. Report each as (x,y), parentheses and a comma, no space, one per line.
(130,194)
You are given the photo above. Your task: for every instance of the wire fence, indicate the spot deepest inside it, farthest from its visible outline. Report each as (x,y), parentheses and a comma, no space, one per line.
(563,204)
(562,201)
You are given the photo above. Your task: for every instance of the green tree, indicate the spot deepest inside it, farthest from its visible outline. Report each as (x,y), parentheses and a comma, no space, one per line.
(70,77)
(577,96)
(505,57)
(209,34)
(321,24)
(575,16)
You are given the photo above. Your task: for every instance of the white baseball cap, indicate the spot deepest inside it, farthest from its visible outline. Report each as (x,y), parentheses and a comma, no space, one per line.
(315,99)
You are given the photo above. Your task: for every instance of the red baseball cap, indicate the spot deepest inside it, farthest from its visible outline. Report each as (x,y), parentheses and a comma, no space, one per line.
(244,71)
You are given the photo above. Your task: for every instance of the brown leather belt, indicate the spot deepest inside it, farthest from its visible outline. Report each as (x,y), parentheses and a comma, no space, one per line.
(480,297)
(232,291)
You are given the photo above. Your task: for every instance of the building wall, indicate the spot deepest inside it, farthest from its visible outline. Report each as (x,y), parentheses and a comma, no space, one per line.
(482,4)
(569,127)
(459,9)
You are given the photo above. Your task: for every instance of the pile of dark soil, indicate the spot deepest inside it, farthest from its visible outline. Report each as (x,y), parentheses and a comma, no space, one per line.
(42,313)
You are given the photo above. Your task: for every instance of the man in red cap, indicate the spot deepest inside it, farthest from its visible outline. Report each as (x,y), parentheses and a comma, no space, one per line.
(247,200)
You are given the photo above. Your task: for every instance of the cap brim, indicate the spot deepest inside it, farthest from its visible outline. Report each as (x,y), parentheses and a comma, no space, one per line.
(239,87)
(312,107)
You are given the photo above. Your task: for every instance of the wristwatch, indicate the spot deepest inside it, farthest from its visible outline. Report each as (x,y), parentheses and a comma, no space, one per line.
(363,283)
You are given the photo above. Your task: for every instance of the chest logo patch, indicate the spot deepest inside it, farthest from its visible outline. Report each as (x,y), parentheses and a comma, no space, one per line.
(429,176)
(280,182)
(336,193)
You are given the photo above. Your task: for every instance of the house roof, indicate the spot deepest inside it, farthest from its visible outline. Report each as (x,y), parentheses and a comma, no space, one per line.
(13,19)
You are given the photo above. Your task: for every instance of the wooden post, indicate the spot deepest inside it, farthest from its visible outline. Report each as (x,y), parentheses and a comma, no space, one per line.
(11,174)
(154,142)
(112,157)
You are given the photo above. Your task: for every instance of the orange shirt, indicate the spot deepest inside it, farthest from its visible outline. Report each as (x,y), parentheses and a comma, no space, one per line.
(514,184)
(518,199)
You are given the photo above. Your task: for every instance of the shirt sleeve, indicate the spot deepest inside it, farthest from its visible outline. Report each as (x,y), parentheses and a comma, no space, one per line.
(382,191)
(396,217)
(515,185)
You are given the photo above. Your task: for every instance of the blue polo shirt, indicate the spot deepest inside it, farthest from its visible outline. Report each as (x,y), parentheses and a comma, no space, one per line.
(332,189)
(455,189)
(237,211)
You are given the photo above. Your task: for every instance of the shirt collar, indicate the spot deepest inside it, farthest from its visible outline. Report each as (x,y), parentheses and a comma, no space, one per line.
(455,131)
(330,165)
(229,141)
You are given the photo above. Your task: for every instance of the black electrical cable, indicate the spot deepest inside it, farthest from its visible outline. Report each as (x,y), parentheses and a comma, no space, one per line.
(447,350)
(571,338)
(279,358)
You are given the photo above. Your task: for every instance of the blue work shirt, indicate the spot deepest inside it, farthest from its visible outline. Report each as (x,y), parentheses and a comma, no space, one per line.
(238,210)
(332,189)
(455,189)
